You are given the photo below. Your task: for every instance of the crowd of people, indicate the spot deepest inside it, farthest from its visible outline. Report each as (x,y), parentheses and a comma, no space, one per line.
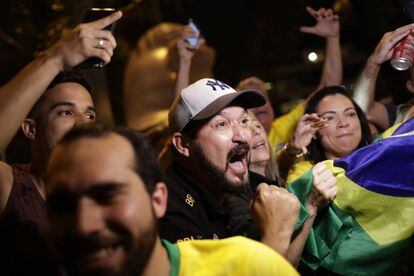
(216,200)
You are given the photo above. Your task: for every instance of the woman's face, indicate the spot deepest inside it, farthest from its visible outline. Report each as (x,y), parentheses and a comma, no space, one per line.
(260,151)
(342,134)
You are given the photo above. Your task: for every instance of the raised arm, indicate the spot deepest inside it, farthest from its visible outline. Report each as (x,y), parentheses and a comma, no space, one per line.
(306,129)
(186,52)
(19,95)
(327,26)
(364,90)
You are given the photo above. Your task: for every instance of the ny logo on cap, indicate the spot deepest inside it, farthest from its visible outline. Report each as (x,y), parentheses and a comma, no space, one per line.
(218,83)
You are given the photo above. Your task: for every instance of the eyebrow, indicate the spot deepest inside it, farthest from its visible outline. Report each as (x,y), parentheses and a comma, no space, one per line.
(105,187)
(334,112)
(328,112)
(222,113)
(69,104)
(98,187)
(349,108)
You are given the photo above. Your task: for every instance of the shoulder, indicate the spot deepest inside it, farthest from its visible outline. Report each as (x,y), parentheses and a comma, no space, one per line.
(6,183)
(234,256)
(258,259)
(180,219)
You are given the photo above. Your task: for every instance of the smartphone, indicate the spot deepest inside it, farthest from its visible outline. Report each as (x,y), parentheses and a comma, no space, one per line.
(193,40)
(92,15)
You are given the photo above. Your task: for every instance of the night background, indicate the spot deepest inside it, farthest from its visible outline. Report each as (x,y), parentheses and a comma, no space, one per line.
(250,38)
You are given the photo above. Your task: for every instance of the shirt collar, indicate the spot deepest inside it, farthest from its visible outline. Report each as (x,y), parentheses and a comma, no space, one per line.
(174,256)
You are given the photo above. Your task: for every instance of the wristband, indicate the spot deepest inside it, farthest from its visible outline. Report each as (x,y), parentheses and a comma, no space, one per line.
(297,155)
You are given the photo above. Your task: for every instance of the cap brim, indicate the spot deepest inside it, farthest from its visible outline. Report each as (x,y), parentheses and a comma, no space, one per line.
(245,98)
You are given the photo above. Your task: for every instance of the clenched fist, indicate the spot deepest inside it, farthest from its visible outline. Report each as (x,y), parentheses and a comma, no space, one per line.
(323,190)
(275,211)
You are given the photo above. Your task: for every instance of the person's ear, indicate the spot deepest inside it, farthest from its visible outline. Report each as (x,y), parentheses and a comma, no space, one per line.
(410,86)
(159,199)
(29,128)
(180,144)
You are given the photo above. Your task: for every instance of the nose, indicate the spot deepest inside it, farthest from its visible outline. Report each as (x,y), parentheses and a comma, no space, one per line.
(89,218)
(342,122)
(242,133)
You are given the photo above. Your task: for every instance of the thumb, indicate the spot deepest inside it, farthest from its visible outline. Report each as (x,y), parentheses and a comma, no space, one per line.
(308,30)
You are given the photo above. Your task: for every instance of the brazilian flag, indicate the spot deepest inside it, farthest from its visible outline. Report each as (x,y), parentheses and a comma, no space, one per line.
(368,229)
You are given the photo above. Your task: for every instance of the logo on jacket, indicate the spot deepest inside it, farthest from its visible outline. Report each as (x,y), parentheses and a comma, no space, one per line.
(189,200)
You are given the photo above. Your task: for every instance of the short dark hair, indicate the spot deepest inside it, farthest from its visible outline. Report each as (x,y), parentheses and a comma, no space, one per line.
(190,131)
(316,152)
(62,77)
(145,164)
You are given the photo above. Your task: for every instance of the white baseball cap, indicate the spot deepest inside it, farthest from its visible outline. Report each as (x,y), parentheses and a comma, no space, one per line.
(205,98)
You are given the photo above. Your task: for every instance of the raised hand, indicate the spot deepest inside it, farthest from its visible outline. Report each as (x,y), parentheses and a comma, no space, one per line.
(306,129)
(275,211)
(323,190)
(86,40)
(383,51)
(186,50)
(327,23)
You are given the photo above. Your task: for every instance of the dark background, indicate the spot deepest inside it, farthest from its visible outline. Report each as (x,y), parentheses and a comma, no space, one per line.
(250,37)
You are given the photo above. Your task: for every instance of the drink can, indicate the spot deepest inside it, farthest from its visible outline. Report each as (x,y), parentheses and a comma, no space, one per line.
(403,53)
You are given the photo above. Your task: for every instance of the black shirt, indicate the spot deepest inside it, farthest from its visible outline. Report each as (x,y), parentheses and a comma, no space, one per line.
(238,207)
(192,211)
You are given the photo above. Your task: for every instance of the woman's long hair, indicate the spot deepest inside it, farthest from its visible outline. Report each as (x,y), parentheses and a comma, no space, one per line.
(315,148)
(272,169)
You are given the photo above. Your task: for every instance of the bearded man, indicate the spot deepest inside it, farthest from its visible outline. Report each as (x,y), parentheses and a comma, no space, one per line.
(210,146)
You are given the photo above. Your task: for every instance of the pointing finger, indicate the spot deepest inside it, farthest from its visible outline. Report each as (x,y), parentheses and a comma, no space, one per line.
(103,22)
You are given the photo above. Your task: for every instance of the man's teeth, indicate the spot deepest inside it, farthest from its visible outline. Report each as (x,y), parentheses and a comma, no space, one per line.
(100,254)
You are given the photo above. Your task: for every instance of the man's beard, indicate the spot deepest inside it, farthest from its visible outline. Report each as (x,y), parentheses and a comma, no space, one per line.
(137,253)
(217,178)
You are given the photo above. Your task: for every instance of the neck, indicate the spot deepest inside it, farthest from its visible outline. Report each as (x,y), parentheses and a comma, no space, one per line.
(331,156)
(258,167)
(37,181)
(159,263)
(37,169)
(39,161)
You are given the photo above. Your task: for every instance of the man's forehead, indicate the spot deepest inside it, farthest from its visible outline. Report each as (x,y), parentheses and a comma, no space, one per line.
(90,162)
(68,91)
(107,150)
(233,110)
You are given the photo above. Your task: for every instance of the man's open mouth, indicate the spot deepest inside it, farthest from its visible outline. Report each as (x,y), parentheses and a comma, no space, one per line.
(237,158)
